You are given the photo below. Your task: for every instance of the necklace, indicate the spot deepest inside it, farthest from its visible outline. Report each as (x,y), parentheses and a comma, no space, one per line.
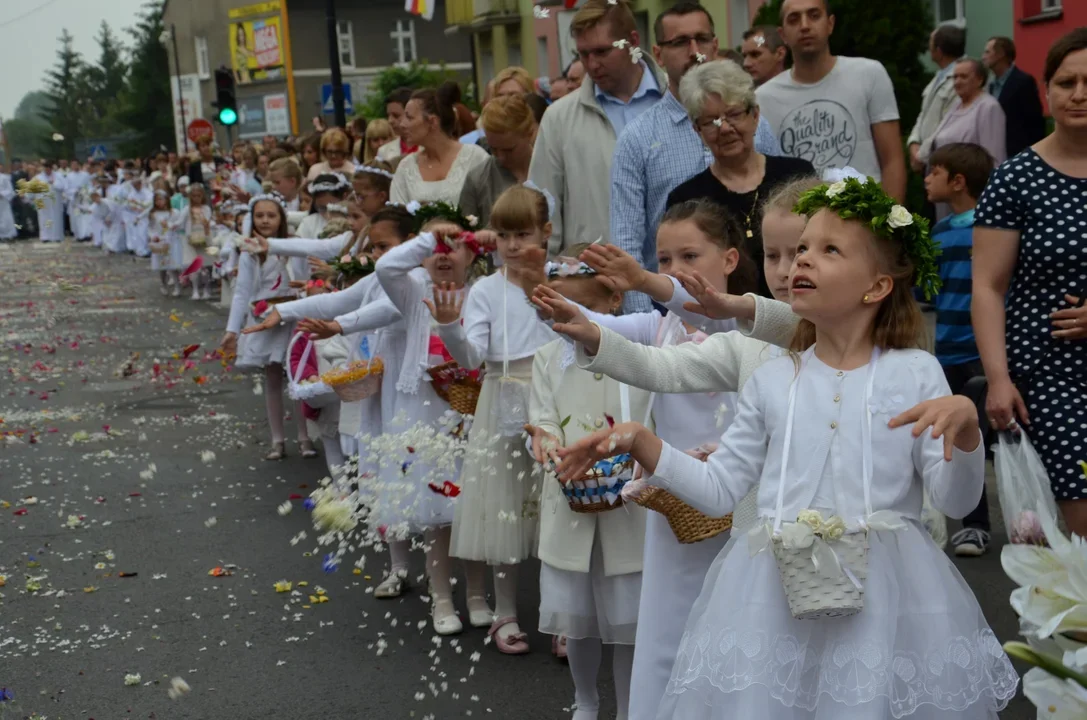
(747,218)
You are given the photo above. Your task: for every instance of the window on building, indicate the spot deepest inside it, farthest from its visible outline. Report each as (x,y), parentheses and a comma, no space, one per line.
(404,37)
(949,11)
(347,43)
(1050,5)
(203,69)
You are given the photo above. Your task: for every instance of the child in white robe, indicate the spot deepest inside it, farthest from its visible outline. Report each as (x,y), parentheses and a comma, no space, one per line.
(161,243)
(194,224)
(7,217)
(825,432)
(138,201)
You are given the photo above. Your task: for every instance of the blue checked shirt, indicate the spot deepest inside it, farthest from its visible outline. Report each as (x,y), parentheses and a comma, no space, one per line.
(653,155)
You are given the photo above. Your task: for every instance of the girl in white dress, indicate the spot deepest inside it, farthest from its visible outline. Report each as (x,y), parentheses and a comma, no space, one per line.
(137,207)
(694,237)
(263,277)
(325,189)
(590,564)
(161,242)
(411,409)
(194,225)
(497,510)
(101,211)
(841,478)
(7,218)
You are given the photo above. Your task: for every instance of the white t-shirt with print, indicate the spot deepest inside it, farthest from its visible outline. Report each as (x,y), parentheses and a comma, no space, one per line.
(829,123)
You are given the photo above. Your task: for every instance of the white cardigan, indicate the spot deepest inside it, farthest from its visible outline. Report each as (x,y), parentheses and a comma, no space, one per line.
(723,363)
(566,538)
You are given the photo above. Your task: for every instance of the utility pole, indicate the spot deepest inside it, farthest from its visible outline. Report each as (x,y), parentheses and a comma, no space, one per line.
(180,97)
(334,63)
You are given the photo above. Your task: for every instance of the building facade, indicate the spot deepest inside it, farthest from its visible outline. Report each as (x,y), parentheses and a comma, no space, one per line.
(1038,24)
(279,52)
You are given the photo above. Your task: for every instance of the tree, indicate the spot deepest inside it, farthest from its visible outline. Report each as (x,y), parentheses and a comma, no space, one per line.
(27,132)
(894,33)
(414,76)
(63,92)
(146,107)
(103,84)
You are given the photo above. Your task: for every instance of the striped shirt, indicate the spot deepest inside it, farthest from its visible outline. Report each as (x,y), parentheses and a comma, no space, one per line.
(955,344)
(653,155)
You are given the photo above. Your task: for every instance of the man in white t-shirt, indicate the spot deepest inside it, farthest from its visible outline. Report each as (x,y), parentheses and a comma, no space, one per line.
(833,111)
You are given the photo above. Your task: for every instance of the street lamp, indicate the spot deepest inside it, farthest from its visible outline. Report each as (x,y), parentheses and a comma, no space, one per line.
(169,35)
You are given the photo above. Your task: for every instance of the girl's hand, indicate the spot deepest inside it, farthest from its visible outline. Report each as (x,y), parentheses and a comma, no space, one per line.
(446,305)
(254,245)
(296,284)
(954,418)
(618,271)
(487,239)
(577,459)
(1004,405)
(320,329)
(270,321)
(713,303)
(445,231)
(1070,323)
(228,346)
(527,271)
(317,266)
(568,318)
(544,445)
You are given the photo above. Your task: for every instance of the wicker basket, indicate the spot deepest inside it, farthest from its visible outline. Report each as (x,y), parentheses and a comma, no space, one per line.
(315,394)
(815,596)
(457,386)
(357,381)
(596,493)
(160,248)
(198,241)
(688,525)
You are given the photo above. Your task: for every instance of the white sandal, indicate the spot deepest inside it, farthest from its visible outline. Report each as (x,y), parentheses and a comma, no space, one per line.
(392,586)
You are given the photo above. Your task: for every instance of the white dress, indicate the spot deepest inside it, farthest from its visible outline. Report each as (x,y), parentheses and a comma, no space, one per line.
(114,220)
(159,232)
(137,206)
(259,281)
(408,184)
(590,564)
(51,216)
(920,647)
(7,218)
(411,411)
(188,229)
(496,513)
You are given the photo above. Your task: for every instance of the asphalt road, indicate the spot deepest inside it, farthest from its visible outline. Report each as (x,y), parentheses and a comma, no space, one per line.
(107,566)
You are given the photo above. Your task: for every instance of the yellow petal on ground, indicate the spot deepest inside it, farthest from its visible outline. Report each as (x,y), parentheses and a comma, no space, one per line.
(303,583)
(90,589)
(174,318)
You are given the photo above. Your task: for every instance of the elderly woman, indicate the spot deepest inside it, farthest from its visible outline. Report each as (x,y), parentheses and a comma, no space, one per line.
(335,149)
(1029,285)
(510,126)
(438,170)
(976,117)
(720,99)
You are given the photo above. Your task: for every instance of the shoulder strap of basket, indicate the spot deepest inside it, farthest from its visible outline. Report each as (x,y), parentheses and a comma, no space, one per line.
(296,376)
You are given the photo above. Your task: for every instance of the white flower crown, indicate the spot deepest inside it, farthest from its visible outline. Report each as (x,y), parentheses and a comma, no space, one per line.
(274,197)
(571,268)
(319,187)
(374,171)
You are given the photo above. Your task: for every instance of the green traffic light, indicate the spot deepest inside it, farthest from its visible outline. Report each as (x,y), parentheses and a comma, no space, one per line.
(227,116)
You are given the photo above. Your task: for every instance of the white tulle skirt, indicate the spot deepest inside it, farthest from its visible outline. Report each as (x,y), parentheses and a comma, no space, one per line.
(920,647)
(496,514)
(263,348)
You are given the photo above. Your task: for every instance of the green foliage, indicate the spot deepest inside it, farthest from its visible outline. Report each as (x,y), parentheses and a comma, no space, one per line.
(894,33)
(63,93)
(32,106)
(29,138)
(145,108)
(414,76)
(103,84)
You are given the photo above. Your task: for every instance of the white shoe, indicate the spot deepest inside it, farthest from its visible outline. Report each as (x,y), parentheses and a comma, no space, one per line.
(177,291)
(447,623)
(164,289)
(392,586)
(206,295)
(195,294)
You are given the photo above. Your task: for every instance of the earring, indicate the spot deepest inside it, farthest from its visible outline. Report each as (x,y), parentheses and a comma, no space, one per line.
(864,299)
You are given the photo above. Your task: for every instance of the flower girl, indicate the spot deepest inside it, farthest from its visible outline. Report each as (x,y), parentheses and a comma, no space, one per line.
(165,249)
(194,222)
(837,604)
(495,520)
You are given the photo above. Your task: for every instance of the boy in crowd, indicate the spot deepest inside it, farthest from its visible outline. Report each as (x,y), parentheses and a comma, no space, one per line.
(957,175)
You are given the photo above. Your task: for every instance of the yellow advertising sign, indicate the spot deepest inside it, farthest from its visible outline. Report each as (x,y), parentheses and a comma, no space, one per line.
(256,51)
(257,9)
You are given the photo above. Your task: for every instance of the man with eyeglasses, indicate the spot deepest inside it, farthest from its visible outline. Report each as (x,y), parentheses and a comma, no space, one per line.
(574,147)
(833,111)
(661,149)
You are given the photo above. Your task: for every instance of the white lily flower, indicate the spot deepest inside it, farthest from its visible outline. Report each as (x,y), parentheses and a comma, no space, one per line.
(1055,699)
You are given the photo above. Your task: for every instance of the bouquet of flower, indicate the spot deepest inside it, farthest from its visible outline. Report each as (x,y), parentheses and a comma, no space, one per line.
(353,267)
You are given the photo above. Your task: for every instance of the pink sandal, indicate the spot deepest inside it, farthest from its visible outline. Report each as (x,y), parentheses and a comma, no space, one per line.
(516,644)
(558,646)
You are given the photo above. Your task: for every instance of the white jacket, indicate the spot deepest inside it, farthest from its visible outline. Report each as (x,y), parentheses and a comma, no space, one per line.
(566,537)
(936,100)
(576,140)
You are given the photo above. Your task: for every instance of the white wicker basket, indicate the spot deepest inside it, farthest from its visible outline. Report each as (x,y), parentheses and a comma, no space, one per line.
(316,394)
(813,595)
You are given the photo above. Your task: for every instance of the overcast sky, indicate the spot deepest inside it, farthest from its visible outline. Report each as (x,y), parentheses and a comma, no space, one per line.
(28,38)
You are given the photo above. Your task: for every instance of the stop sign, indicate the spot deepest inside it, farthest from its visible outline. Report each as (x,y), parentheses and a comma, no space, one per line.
(199,128)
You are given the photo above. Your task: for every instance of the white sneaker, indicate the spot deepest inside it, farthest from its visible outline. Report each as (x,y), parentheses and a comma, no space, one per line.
(195,293)
(164,289)
(177,291)
(206,295)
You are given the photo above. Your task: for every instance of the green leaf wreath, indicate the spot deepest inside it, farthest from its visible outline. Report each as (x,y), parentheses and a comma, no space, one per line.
(866,201)
(424,214)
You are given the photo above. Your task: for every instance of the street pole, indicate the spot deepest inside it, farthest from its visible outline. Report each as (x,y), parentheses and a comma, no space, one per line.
(180,96)
(334,63)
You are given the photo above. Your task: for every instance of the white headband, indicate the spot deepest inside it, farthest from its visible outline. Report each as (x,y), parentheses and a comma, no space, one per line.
(547,196)
(373,171)
(334,208)
(567,269)
(274,197)
(412,207)
(340,184)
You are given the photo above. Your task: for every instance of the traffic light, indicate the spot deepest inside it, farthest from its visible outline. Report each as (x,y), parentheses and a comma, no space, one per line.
(225,99)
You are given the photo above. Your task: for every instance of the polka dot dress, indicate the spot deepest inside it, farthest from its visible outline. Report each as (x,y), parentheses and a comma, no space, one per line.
(1050,210)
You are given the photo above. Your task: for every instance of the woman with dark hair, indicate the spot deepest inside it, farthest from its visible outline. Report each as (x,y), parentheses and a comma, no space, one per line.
(310,150)
(438,170)
(1029,285)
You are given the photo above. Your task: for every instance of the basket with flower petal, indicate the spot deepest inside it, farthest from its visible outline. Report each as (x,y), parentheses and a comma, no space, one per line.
(457,386)
(687,524)
(358,381)
(601,489)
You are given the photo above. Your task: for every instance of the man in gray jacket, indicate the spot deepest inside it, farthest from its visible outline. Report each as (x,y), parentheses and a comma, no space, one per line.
(576,140)
(946,47)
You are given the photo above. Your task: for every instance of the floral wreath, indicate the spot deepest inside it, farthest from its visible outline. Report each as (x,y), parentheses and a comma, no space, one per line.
(353,266)
(339,184)
(272,196)
(425,214)
(373,171)
(567,267)
(866,201)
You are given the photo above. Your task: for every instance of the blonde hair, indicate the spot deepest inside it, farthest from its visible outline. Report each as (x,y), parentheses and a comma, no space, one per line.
(286,167)
(336,226)
(519,208)
(898,323)
(784,197)
(516,73)
(618,16)
(721,78)
(380,129)
(334,139)
(509,114)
